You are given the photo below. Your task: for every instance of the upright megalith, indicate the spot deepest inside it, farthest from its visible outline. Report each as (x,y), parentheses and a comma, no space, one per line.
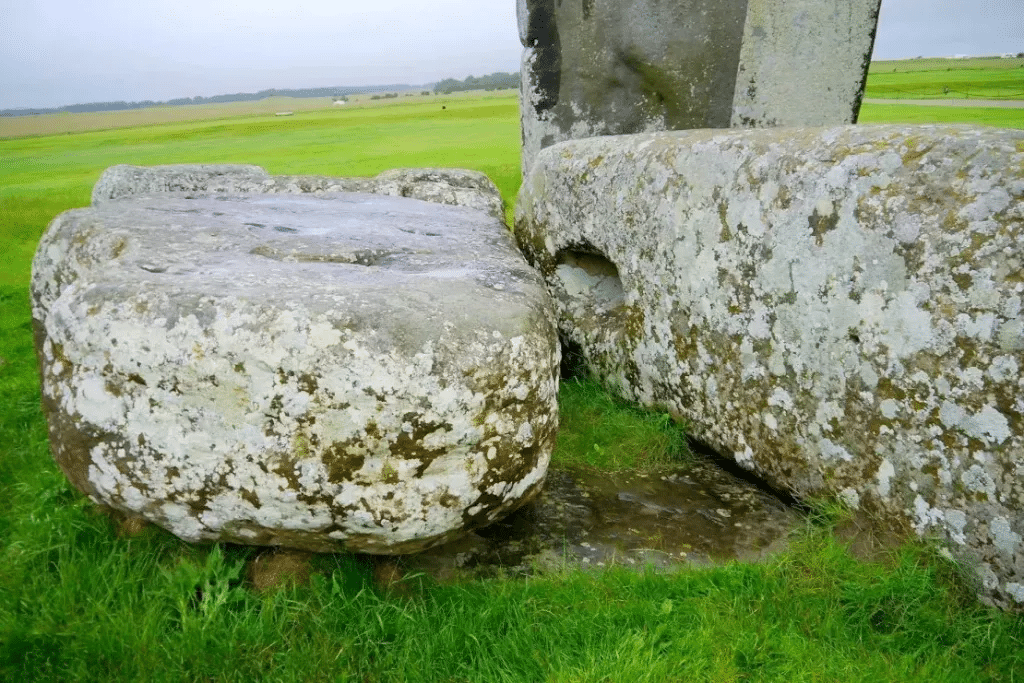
(840,309)
(609,67)
(803,62)
(324,372)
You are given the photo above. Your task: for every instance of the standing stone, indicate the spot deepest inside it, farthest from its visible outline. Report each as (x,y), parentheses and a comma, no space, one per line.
(611,67)
(341,371)
(841,309)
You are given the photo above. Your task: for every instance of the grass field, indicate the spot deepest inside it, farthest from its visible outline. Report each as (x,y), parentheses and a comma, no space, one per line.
(1000,117)
(918,79)
(79,602)
(53,124)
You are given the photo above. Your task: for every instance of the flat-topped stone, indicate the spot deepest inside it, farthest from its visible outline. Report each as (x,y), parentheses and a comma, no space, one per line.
(453,186)
(345,371)
(839,309)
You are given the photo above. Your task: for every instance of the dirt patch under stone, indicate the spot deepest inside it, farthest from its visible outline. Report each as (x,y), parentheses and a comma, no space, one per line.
(684,516)
(278,567)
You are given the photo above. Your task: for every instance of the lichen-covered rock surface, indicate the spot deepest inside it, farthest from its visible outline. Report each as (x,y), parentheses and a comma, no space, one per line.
(611,67)
(453,186)
(838,309)
(345,371)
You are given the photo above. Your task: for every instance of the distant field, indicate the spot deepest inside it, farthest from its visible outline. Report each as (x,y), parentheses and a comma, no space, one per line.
(54,124)
(908,79)
(980,78)
(51,124)
(943,63)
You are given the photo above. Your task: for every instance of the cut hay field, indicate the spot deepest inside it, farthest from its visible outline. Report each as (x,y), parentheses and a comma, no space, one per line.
(82,601)
(54,124)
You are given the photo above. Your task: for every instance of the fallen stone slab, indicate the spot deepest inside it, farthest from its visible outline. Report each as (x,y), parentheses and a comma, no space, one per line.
(336,372)
(838,309)
(453,186)
(613,67)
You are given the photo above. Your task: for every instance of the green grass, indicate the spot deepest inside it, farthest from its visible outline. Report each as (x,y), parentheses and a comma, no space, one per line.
(947,79)
(598,430)
(79,603)
(909,113)
(96,609)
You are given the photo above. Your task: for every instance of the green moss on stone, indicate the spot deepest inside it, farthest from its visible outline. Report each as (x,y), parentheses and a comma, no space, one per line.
(388,474)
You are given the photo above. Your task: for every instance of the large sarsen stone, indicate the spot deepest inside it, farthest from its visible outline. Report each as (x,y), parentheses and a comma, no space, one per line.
(611,67)
(840,309)
(344,371)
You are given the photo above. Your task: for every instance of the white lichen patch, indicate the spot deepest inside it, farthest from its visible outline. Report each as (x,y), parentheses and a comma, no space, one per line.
(884,478)
(839,308)
(341,397)
(850,497)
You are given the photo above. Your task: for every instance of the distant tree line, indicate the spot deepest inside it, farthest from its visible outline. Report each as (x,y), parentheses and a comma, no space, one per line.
(337,92)
(495,81)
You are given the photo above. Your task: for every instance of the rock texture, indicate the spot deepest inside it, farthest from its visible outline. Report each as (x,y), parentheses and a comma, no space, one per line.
(453,186)
(839,309)
(609,67)
(345,371)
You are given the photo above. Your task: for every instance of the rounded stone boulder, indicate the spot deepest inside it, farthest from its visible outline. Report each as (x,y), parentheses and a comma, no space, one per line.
(334,372)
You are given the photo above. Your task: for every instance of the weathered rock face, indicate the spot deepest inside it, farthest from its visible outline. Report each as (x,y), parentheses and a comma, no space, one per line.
(840,309)
(118,182)
(345,371)
(609,67)
(453,186)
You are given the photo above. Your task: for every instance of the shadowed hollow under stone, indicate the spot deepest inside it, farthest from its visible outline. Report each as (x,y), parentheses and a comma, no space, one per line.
(687,515)
(342,371)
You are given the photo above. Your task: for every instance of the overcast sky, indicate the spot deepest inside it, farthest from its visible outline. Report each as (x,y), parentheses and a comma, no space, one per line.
(57,52)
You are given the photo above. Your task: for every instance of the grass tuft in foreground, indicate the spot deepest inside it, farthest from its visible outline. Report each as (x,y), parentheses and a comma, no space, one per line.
(98,608)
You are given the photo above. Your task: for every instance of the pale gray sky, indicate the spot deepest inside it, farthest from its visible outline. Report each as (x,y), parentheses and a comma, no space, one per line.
(57,52)
(944,28)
